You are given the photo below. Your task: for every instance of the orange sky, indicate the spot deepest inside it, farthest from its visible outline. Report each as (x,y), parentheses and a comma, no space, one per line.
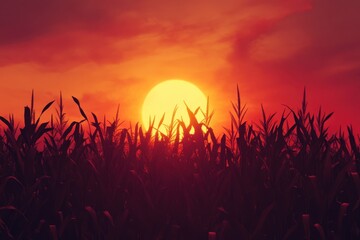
(112,52)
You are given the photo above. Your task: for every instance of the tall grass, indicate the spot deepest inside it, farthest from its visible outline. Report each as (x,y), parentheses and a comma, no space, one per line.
(285,178)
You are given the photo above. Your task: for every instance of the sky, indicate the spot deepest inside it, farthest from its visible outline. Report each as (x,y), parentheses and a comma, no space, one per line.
(112,52)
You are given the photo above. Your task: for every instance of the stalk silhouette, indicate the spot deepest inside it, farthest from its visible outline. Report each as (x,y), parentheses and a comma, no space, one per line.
(282,179)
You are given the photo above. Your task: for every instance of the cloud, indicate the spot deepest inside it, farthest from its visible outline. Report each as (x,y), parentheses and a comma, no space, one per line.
(25,20)
(59,35)
(62,50)
(67,33)
(62,34)
(305,43)
(317,48)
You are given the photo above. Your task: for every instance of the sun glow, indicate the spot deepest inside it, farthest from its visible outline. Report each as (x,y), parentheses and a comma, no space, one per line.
(168,95)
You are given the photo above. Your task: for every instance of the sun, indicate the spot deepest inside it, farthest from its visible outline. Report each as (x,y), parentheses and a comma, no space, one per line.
(168,95)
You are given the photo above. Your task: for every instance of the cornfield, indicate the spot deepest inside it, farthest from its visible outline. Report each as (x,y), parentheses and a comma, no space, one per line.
(286,178)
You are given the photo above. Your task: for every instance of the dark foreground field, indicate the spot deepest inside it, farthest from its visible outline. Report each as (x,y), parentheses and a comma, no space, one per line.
(288,178)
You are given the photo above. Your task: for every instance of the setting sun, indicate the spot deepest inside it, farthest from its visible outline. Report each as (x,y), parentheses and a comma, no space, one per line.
(168,95)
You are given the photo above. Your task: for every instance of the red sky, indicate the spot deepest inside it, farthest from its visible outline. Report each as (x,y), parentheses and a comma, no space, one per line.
(112,52)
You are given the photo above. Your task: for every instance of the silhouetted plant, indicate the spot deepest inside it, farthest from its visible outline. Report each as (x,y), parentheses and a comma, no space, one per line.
(286,178)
